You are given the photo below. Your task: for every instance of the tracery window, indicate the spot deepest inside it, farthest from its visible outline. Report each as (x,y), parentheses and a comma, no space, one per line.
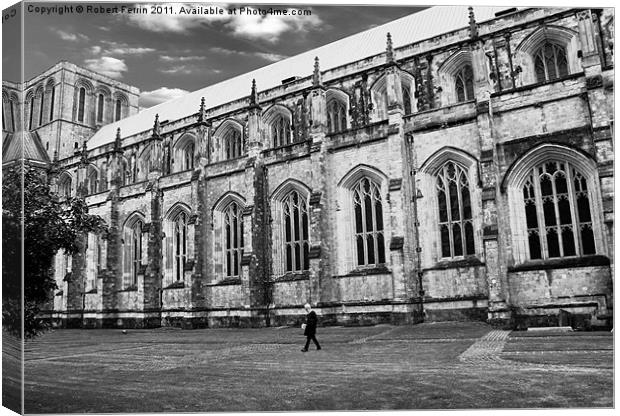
(180,245)
(295,241)
(336,116)
(135,251)
(233,144)
(280,131)
(100,104)
(233,239)
(558,212)
(550,62)
(81,103)
(455,212)
(368,213)
(464,84)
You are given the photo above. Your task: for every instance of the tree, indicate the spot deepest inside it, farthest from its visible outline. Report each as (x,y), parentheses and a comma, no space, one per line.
(48,226)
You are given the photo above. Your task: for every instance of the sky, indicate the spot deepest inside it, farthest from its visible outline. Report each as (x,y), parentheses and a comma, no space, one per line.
(168,55)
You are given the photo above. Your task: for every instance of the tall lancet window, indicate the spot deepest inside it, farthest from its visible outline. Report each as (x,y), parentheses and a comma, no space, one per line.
(180,245)
(41,105)
(81,104)
(455,213)
(136,251)
(233,239)
(295,221)
(118,110)
(100,104)
(368,213)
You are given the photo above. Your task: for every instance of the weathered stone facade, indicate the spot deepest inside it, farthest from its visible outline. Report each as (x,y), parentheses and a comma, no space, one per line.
(393,189)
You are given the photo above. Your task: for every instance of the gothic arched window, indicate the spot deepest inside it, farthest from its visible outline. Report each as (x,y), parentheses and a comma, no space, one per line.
(100,104)
(336,116)
(180,245)
(12,110)
(295,222)
(81,104)
(558,212)
(280,131)
(188,156)
(368,213)
(103,178)
(550,62)
(118,109)
(93,182)
(31,113)
(41,102)
(135,245)
(233,144)
(406,88)
(52,99)
(464,84)
(233,239)
(455,212)
(65,186)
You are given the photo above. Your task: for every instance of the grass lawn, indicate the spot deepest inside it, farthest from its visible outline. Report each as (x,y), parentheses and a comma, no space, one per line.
(379,367)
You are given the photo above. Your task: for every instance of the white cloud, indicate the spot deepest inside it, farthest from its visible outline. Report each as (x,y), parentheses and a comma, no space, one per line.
(177,69)
(186,69)
(268,56)
(70,37)
(168,58)
(108,66)
(271,57)
(255,26)
(115,48)
(160,95)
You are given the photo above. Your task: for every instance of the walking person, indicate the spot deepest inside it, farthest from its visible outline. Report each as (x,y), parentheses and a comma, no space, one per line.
(310,328)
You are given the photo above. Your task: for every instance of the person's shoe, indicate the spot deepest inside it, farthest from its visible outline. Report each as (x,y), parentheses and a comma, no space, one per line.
(304,350)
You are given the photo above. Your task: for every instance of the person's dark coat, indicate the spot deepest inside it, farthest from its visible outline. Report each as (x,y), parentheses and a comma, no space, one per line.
(311,321)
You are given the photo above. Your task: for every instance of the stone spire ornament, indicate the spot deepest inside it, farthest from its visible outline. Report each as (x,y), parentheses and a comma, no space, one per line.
(202,112)
(254,95)
(316,75)
(473,26)
(118,146)
(84,155)
(156,127)
(389,50)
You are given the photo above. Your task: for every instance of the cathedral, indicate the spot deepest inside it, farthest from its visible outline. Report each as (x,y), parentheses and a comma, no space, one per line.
(454,164)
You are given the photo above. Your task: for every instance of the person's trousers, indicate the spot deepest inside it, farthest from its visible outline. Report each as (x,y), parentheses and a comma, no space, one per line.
(313,338)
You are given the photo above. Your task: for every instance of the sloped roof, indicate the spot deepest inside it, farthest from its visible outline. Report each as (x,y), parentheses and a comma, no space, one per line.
(23,145)
(406,30)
